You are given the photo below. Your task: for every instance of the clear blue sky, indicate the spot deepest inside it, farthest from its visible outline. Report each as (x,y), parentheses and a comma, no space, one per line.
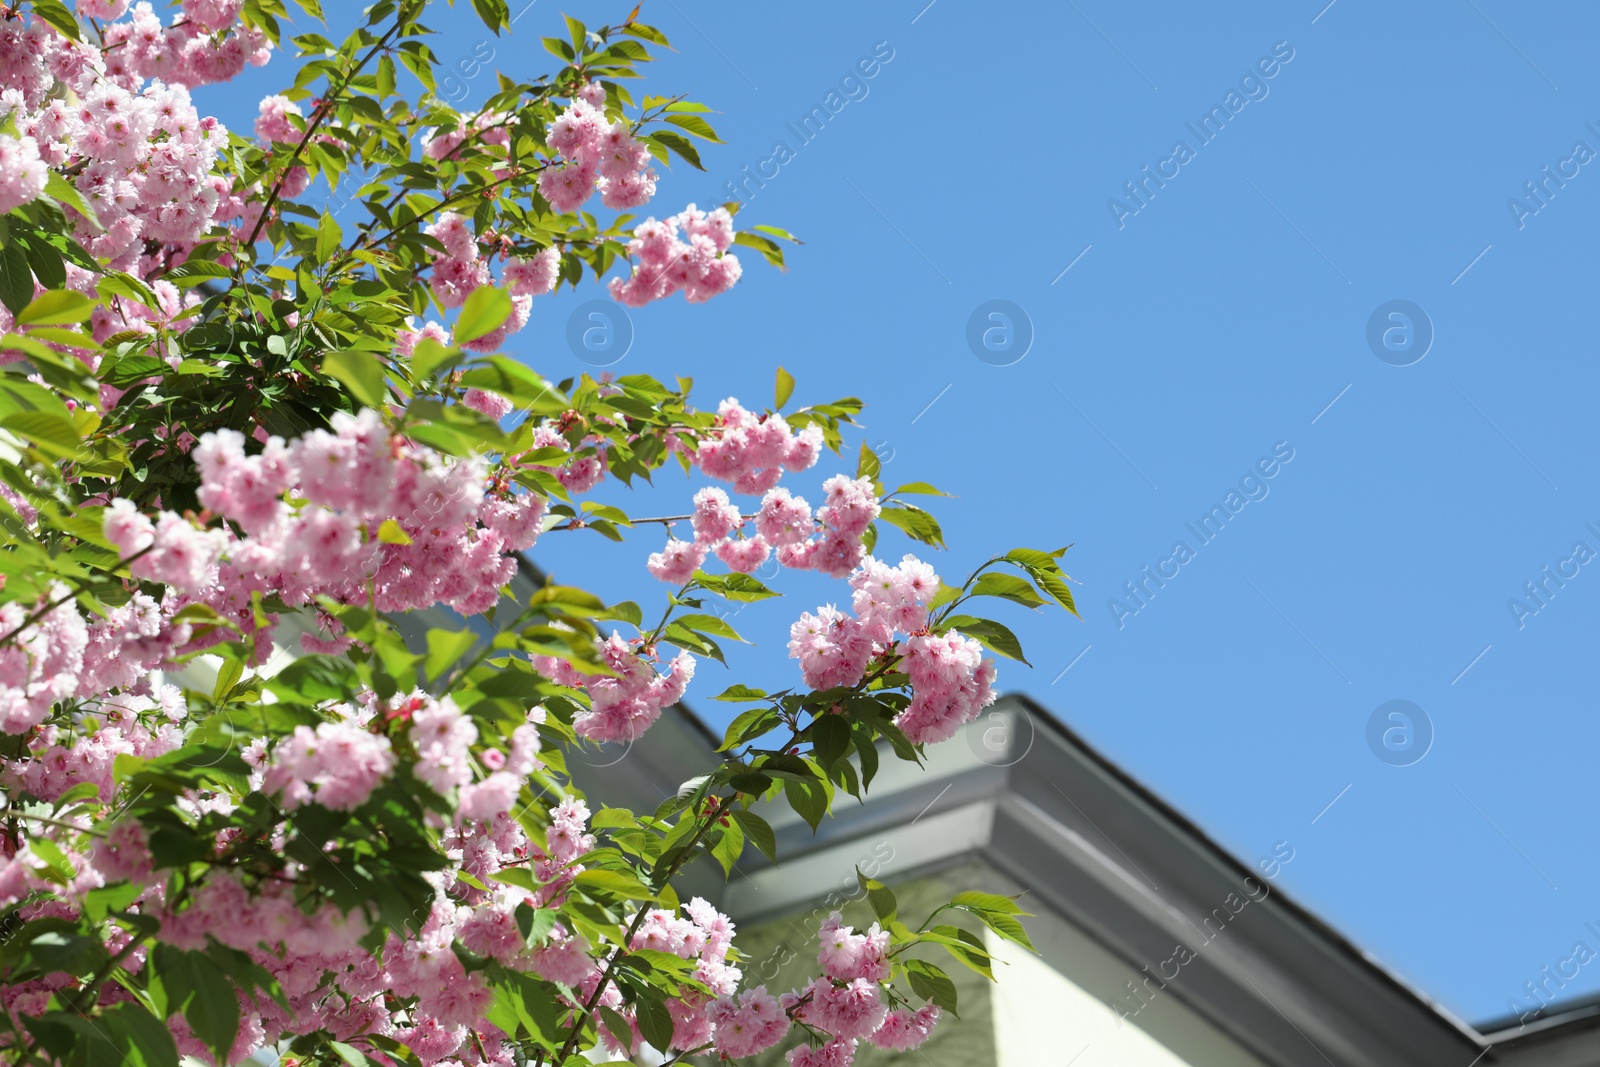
(1221,318)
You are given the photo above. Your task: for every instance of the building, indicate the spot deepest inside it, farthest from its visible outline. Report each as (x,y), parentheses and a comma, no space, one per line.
(1156,948)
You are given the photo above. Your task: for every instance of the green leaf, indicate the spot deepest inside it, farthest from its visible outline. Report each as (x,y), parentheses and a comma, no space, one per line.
(59,867)
(385,75)
(615,883)
(998,913)
(516,382)
(678,634)
(349,1054)
(417,62)
(62,191)
(535,924)
(444,648)
(56,14)
(329,237)
(879,897)
(922,488)
(779,232)
(520,877)
(868,465)
(1007,926)
(98,903)
(198,988)
(624,611)
(992,635)
(494,13)
(729,845)
(783,390)
(392,533)
(1008,587)
(578,35)
(748,726)
(735,586)
(830,739)
(527,1000)
(679,144)
(770,250)
(945,595)
(559,48)
(81,791)
(361,373)
(709,624)
(16,277)
(430,355)
(758,832)
(655,1021)
(57,307)
(228,676)
(917,524)
(50,432)
(966,946)
(485,311)
(617,1026)
(695,125)
(613,819)
(46,261)
(931,983)
(808,799)
(1046,573)
(975,901)
(740,694)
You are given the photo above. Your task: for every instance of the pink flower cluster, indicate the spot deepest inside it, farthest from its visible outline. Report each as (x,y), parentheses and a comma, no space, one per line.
(753,452)
(22,173)
(714,519)
(272,122)
(579,474)
(834,648)
(621,706)
(704,935)
(143,726)
(951,681)
(902,1030)
(41,660)
(749,1023)
(143,158)
(489,128)
(462,269)
(846,956)
(484,846)
(687,253)
(59,657)
(843,1004)
(337,765)
(596,154)
(202,46)
(330,982)
(170,550)
(355,480)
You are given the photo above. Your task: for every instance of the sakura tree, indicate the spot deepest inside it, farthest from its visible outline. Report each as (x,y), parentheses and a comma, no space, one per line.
(227,417)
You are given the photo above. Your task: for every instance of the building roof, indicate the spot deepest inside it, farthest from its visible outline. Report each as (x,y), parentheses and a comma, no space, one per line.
(1029,797)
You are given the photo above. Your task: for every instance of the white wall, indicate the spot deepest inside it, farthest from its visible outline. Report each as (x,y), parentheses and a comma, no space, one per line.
(1043,1012)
